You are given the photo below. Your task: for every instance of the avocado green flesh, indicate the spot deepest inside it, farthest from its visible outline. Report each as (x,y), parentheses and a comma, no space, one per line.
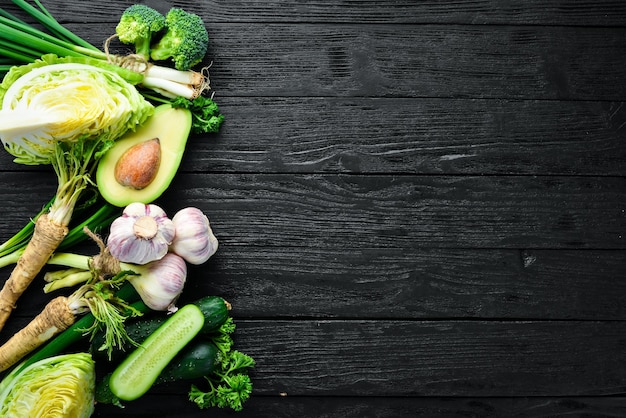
(172,127)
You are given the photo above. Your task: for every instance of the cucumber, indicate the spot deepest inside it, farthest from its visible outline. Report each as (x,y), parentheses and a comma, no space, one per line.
(198,359)
(214,308)
(138,372)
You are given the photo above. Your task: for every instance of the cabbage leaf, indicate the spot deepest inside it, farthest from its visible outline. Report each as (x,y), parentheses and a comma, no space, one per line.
(60,100)
(55,387)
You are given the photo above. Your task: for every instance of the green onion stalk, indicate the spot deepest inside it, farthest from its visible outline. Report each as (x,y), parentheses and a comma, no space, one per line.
(94,220)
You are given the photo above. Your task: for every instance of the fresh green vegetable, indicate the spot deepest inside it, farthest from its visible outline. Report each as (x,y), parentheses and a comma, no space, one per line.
(229,385)
(97,296)
(55,101)
(56,387)
(214,308)
(224,369)
(137,26)
(138,372)
(197,359)
(22,43)
(185,41)
(171,127)
(206,116)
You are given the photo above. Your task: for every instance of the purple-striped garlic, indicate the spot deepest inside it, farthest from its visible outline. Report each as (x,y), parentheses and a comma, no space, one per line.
(160,282)
(194,240)
(142,234)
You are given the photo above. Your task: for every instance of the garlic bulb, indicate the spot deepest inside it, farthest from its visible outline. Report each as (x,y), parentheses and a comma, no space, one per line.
(142,234)
(194,240)
(160,282)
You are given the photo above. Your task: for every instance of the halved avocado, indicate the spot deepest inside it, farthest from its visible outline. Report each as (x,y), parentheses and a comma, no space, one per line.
(171,127)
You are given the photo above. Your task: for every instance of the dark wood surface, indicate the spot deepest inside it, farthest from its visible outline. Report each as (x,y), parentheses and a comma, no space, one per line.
(420,205)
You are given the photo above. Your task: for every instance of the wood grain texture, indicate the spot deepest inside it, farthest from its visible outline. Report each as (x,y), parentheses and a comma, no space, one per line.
(420,136)
(418,284)
(385,212)
(420,205)
(383,407)
(434,61)
(479,12)
(379,212)
(451,358)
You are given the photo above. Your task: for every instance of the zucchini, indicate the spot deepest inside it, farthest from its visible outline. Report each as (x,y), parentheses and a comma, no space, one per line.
(215,311)
(138,372)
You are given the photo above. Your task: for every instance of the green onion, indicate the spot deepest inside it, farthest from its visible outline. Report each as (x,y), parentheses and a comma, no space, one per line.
(45,18)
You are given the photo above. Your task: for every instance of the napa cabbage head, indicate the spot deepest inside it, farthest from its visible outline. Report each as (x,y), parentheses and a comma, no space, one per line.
(55,387)
(58,100)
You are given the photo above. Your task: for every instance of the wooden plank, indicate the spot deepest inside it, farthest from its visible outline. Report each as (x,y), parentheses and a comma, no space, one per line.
(373,212)
(398,358)
(388,407)
(415,283)
(418,136)
(433,136)
(381,212)
(440,358)
(435,61)
(533,12)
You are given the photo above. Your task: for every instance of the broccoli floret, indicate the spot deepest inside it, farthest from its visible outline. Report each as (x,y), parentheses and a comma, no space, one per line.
(137,25)
(185,41)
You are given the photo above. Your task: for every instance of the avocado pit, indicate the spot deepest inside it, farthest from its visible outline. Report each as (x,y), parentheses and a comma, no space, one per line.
(139,165)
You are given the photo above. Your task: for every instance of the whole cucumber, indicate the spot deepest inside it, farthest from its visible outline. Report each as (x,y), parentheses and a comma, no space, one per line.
(214,308)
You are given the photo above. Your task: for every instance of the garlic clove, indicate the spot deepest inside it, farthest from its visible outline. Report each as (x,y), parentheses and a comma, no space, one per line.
(141,234)
(161,282)
(194,239)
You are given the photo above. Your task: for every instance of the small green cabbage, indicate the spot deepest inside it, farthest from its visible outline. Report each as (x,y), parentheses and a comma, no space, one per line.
(56,100)
(55,387)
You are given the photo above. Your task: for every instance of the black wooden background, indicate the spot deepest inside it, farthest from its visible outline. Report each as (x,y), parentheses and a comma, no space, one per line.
(420,204)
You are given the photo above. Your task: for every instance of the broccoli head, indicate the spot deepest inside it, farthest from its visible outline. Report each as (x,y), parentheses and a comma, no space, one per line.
(185,41)
(137,25)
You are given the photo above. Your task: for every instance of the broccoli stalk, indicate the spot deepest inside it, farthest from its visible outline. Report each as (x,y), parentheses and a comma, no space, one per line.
(185,41)
(137,25)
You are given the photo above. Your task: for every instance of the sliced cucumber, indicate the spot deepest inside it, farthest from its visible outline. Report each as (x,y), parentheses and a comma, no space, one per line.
(138,372)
